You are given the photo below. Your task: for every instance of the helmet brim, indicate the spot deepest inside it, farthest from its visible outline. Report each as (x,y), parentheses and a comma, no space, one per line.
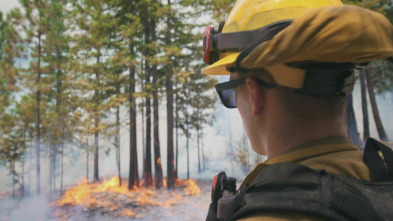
(219,67)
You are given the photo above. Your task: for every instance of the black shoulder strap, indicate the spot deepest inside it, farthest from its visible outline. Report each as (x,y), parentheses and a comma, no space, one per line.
(379,158)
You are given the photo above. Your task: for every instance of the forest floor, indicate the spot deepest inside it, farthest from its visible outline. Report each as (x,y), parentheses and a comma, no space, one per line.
(143,204)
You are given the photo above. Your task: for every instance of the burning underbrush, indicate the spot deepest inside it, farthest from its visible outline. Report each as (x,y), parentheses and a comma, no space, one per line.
(109,199)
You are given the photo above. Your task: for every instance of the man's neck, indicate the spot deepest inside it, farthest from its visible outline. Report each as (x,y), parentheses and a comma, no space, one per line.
(286,136)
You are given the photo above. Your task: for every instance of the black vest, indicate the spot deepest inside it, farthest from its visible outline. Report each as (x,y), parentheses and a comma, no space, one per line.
(290,187)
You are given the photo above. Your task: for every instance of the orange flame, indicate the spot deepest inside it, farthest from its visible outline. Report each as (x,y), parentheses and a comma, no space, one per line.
(105,194)
(192,188)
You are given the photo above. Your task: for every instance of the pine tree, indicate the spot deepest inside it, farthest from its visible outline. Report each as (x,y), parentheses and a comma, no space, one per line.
(10,48)
(145,19)
(36,30)
(55,51)
(92,54)
(126,16)
(156,85)
(11,129)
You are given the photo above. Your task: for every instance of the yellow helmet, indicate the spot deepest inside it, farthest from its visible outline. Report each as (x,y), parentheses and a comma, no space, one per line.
(308,45)
(245,22)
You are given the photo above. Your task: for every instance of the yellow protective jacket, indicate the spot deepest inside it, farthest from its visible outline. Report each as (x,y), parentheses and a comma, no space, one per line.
(335,155)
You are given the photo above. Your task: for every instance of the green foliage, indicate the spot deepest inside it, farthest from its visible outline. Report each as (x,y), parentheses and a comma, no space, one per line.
(381,70)
(382,74)
(11,138)
(79,55)
(381,6)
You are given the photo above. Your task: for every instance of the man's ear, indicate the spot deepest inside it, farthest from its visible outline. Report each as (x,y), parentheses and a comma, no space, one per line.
(257,95)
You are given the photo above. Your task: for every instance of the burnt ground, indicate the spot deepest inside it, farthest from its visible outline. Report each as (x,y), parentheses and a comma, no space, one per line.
(163,205)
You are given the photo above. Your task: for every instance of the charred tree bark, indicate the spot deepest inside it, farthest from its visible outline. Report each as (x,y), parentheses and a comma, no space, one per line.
(133,178)
(366,131)
(378,122)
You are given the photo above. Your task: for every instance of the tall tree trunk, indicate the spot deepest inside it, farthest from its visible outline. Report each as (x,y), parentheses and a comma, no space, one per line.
(378,122)
(54,167)
(169,103)
(143,130)
(157,151)
(133,173)
(87,157)
(117,140)
(62,161)
(51,150)
(199,149)
(202,149)
(188,153)
(147,164)
(351,121)
(366,131)
(148,53)
(156,136)
(22,188)
(30,159)
(38,120)
(170,161)
(96,177)
(13,177)
(59,120)
(117,136)
(198,138)
(177,137)
(148,173)
(97,93)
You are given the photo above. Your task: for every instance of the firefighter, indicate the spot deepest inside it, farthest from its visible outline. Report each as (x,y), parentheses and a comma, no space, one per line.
(290,65)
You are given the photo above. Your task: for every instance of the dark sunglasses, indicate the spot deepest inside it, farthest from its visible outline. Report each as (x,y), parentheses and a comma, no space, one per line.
(226,91)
